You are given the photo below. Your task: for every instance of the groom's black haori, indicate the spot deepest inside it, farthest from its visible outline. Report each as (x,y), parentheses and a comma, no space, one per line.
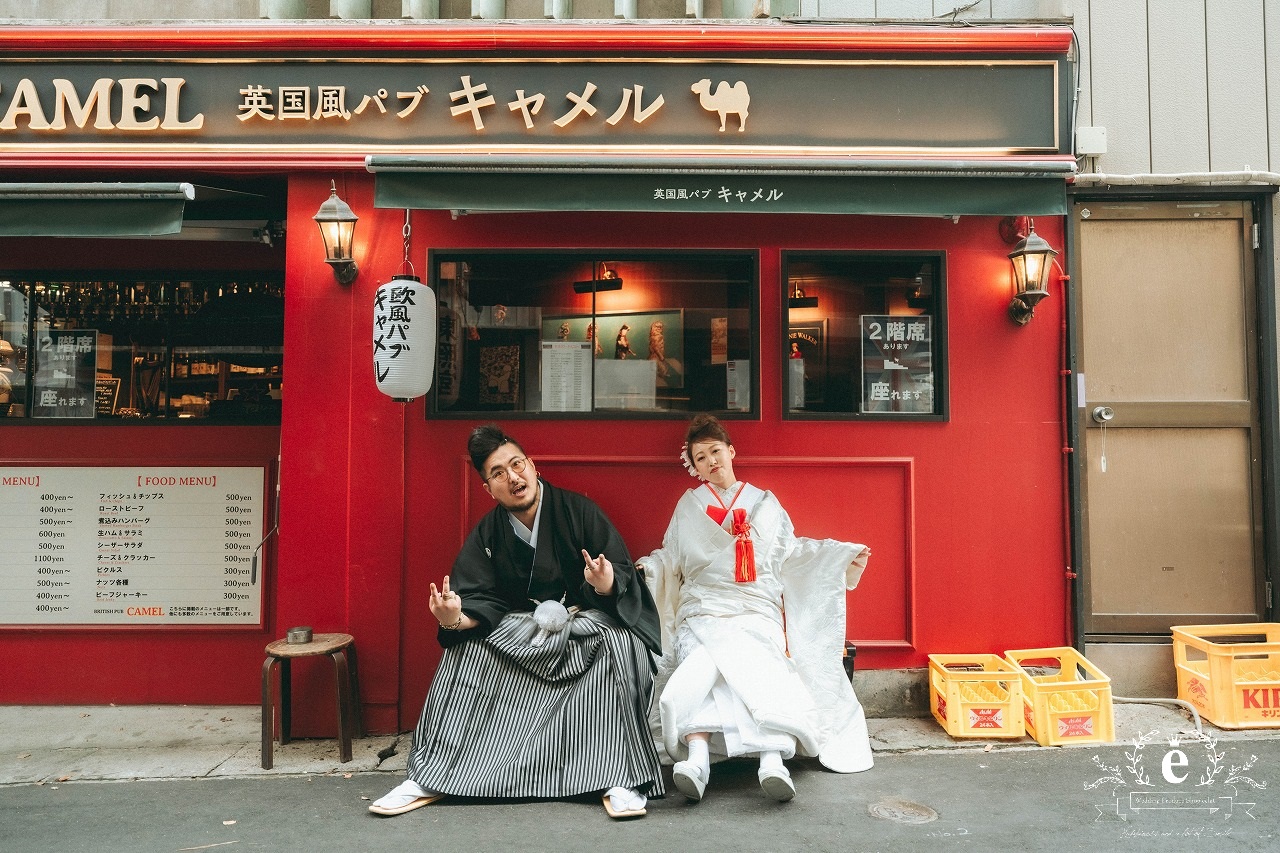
(506,718)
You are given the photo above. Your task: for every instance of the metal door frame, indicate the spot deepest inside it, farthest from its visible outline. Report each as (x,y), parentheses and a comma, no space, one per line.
(1260,202)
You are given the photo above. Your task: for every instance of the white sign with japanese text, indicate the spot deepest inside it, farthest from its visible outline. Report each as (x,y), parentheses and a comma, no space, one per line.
(897,363)
(65,374)
(566,376)
(130,546)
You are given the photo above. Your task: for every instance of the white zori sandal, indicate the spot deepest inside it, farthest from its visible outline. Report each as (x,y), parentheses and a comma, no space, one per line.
(777,783)
(625,802)
(690,779)
(405,797)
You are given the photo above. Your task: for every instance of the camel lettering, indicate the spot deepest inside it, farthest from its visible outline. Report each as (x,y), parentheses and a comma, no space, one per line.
(725,100)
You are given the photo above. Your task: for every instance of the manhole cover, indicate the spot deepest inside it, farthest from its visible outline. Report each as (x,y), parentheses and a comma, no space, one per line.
(902,811)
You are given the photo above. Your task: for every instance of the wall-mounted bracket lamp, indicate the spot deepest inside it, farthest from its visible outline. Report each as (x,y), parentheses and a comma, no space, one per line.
(337,223)
(606,280)
(799,300)
(1032,258)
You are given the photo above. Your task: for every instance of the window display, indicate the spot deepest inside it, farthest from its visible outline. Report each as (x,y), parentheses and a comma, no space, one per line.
(128,349)
(605,333)
(864,335)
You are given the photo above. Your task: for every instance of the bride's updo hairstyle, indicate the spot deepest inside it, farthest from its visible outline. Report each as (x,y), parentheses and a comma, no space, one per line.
(704,428)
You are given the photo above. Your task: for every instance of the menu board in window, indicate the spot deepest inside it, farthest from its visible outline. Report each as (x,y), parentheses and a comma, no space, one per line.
(106,392)
(143,546)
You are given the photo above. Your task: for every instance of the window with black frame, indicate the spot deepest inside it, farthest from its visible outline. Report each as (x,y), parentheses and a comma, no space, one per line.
(594,333)
(126,347)
(864,335)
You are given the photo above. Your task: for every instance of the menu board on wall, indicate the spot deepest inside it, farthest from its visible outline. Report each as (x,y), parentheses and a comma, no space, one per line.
(141,546)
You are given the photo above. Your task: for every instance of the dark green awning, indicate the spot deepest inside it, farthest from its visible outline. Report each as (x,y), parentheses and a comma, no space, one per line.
(691,185)
(92,209)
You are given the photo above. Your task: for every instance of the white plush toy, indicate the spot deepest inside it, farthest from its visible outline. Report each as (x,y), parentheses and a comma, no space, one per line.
(551,617)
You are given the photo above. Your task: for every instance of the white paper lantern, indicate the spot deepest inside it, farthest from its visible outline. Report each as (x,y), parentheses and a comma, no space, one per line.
(404,338)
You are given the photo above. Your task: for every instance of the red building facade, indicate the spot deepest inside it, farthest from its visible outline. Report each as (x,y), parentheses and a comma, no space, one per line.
(963,501)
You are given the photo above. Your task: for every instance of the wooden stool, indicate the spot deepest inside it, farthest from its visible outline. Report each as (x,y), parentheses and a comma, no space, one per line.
(341,647)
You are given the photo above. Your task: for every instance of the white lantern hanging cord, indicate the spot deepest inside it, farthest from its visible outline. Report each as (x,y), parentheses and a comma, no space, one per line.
(406,264)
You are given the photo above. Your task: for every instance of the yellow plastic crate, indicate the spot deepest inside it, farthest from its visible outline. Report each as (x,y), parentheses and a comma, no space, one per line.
(1066,699)
(975,695)
(1230,673)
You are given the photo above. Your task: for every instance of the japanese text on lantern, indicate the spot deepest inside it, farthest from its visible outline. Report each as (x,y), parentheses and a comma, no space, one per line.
(391,324)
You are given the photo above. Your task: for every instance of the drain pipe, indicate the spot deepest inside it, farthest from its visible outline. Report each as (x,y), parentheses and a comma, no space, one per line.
(1158,701)
(1177,178)
(1068,458)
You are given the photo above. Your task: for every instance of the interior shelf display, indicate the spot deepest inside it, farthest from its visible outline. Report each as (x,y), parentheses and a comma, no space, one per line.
(865,335)
(609,334)
(140,349)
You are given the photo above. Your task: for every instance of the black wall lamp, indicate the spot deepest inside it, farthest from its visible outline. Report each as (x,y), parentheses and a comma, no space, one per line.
(337,223)
(607,279)
(1032,258)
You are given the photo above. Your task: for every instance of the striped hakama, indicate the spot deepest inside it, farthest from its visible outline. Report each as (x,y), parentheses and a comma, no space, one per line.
(505,718)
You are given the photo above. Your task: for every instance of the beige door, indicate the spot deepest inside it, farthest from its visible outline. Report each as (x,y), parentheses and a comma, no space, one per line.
(1168,414)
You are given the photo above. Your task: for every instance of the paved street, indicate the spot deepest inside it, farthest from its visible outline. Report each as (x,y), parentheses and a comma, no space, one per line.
(1012,799)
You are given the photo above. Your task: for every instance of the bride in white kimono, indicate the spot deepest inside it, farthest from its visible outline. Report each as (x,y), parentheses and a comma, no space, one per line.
(732,682)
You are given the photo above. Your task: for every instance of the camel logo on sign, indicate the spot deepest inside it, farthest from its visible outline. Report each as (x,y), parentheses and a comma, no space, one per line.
(727,99)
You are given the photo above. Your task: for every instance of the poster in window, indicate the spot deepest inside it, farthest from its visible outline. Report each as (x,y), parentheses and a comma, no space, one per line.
(656,336)
(738,385)
(897,364)
(66,374)
(500,375)
(719,340)
(807,347)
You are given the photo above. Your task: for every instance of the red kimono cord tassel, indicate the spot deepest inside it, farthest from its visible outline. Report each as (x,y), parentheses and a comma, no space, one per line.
(744,552)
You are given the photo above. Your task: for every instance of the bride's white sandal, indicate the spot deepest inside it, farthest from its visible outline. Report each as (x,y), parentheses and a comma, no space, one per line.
(690,779)
(777,783)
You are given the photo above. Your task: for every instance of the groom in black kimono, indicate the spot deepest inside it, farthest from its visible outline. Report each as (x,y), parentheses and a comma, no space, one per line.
(552,706)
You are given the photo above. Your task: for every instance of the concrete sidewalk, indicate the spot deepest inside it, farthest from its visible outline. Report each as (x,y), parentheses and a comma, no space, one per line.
(51,744)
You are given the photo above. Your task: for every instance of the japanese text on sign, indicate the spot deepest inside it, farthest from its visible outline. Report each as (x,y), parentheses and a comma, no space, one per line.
(330,102)
(404,104)
(130,546)
(65,374)
(897,364)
